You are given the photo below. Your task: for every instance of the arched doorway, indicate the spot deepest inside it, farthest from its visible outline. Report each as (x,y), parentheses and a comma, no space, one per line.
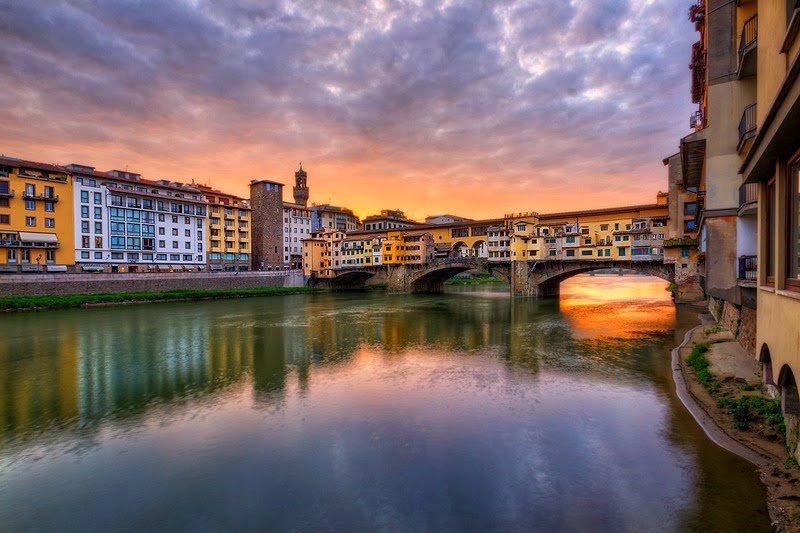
(790,403)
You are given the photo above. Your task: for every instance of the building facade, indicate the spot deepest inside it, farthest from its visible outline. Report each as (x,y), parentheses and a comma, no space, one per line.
(326,216)
(124,223)
(266,201)
(771,164)
(228,233)
(36,217)
(389,219)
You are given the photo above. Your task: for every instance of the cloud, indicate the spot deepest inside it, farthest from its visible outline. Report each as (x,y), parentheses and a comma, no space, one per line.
(471,107)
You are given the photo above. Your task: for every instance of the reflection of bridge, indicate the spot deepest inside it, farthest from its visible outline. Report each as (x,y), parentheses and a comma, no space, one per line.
(527,278)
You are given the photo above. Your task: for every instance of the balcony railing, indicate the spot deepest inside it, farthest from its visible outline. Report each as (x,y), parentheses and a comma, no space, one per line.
(747,42)
(748,267)
(747,125)
(27,244)
(748,193)
(43,197)
(6,194)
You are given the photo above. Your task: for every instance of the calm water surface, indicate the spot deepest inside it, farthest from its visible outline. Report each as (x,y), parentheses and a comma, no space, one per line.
(463,411)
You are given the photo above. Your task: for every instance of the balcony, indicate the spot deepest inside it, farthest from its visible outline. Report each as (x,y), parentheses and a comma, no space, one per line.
(41,197)
(6,194)
(27,244)
(748,197)
(748,41)
(747,126)
(748,268)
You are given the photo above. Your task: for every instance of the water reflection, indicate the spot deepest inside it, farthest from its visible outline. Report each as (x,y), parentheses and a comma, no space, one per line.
(367,410)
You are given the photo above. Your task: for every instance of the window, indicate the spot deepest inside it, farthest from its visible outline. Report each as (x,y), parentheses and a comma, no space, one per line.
(49,223)
(187,233)
(117,243)
(84,255)
(793,244)
(586,252)
(30,205)
(98,198)
(769,214)
(98,227)
(97,255)
(30,222)
(570,240)
(50,256)
(84,211)
(85,226)
(98,213)
(621,251)
(570,253)
(85,197)
(603,227)
(174,244)
(5,219)
(689,225)
(12,255)
(84,242)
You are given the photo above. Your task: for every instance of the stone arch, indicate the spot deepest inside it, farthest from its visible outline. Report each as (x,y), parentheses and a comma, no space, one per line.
(459,249)
(479,249)
(765,359)
(790,399)
(431,280)
(790,404)
(551,274)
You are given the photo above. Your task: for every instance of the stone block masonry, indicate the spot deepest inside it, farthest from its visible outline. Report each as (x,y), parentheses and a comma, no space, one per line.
(51,284)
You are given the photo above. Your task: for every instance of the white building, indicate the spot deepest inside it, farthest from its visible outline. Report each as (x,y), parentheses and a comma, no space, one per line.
(296,229)
(124,223)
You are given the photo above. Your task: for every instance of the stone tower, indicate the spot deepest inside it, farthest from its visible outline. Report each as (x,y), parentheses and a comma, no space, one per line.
(301,187)
(266,200)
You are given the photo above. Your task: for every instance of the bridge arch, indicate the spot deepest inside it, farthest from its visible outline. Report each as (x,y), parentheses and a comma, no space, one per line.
(544,278)
(459,249)
(479,249)
(344,280)
(432,278)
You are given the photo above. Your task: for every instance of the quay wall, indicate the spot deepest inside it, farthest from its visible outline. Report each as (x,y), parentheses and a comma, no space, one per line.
(45,284)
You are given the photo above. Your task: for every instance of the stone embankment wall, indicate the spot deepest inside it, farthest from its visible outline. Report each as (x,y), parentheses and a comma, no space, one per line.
(740,320)
(44,284)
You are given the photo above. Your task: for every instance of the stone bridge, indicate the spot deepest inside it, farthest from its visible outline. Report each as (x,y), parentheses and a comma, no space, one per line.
(543,278)
(527,278)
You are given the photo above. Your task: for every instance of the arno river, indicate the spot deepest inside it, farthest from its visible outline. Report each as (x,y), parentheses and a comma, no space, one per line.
(464,411)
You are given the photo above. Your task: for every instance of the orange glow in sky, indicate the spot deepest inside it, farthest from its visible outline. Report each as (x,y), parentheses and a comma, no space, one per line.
(473,108)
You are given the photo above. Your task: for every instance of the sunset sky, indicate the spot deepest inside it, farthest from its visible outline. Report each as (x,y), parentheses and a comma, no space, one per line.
(472,108)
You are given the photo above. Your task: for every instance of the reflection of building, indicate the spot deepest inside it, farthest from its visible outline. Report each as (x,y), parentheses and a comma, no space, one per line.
(36,217)
(769,51)
(228,232)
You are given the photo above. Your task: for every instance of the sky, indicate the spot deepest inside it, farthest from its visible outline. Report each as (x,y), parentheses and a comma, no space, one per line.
(474,108)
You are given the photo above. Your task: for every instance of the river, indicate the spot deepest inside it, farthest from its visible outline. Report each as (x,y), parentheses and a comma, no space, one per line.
(363,411)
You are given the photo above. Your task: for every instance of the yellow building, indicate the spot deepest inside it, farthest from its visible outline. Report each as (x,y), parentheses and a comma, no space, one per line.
(36,217)
(322,253)
(228,231)
(408,248)
(771,161)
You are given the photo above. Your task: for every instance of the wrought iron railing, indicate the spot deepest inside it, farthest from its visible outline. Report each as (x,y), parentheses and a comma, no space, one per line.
(749,36)
(747,125)
(748,267)
(748,193)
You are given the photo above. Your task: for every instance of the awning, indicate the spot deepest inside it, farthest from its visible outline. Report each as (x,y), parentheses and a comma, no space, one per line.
(216,267)
(92,268)
(56,268)
(163,268)
(29,236)
(177,267)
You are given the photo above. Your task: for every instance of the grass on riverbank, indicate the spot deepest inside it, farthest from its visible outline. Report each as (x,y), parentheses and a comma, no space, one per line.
(482,278)
(64,301)
(745,409)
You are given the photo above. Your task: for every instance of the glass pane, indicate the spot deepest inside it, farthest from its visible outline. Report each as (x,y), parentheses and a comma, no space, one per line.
(794,250)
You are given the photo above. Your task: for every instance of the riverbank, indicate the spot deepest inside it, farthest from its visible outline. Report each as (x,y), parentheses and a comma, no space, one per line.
(65,301)
(721,388)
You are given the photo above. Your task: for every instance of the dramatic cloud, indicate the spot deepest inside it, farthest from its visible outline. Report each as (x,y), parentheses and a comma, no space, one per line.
(471,107)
